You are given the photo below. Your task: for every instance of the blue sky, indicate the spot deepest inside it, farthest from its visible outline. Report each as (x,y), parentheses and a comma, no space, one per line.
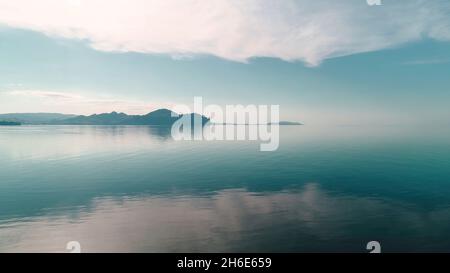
(321,71)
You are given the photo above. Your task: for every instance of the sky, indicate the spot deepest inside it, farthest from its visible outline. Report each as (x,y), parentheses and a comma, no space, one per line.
(323,61)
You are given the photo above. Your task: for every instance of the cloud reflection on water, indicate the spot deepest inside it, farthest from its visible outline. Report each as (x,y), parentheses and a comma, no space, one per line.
(231,220)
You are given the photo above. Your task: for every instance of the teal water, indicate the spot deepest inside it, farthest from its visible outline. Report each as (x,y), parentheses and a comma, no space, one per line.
(134,189)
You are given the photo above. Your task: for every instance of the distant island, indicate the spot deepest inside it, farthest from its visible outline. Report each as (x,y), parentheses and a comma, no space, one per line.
(9,123)
(287,123)
(270,123)
(34,118)
(161,117)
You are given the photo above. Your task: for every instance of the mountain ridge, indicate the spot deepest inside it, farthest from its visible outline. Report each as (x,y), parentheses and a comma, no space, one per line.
(162,117)
(34,118)
(158,117)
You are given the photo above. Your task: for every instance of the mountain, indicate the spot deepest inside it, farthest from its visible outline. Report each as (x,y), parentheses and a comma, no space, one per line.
(161,117)
(158,117)
(113,118)
(34,118)
(9,123)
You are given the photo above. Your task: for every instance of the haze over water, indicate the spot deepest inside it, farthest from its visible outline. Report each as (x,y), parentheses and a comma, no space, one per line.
(127,189)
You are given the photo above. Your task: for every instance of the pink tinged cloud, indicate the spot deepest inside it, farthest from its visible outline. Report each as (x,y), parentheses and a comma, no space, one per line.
(300,30)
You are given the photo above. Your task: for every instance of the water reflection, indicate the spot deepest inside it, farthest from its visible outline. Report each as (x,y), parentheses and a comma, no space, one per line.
(309,219)
(131,188)
(48,141)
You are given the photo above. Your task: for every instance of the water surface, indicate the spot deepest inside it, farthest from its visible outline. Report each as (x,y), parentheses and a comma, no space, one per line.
(134,189)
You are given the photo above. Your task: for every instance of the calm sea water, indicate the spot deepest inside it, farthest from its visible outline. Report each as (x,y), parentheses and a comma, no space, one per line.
(134,189)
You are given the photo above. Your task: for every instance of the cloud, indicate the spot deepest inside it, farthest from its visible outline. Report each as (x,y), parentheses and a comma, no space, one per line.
(45,94)
(66,102)
(292,30)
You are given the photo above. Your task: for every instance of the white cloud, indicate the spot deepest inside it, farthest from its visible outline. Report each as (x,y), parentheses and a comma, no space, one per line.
(46,94)
(74,103)
(305,30)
